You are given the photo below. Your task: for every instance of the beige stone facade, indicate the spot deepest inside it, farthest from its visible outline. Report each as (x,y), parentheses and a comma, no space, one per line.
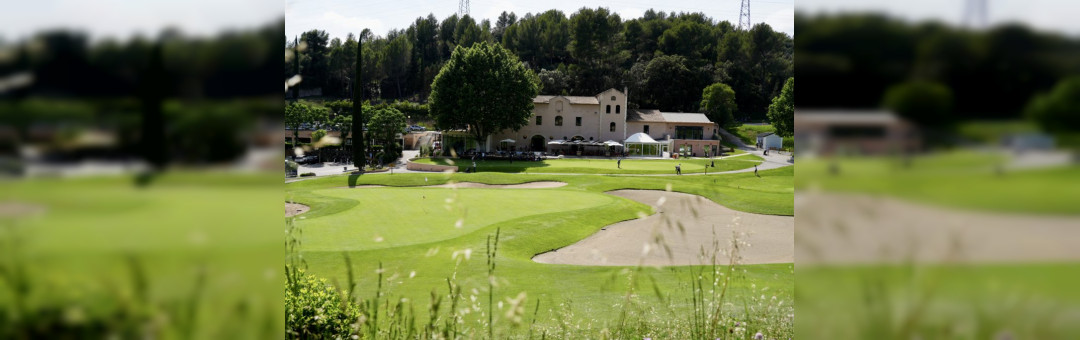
(600,118)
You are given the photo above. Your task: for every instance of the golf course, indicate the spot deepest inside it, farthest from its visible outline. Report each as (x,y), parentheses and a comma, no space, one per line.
(604,166)
(406,244)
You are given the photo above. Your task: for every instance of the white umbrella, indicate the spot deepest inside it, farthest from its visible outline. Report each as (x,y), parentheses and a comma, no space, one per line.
(508,140)
(612,143)
(556,142)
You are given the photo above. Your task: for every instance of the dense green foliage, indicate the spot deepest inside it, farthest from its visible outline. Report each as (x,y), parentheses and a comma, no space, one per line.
(483,88)
(850,60)
(383,129)
(718,103)
(926,104)
(580,53)
(1058,110)
(782,110)
(315,310)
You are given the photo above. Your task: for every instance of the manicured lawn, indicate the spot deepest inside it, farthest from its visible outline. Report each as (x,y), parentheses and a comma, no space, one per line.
(411,209)
(602,166)
(425,249)
(79,250)
(1026,301)
(958,179)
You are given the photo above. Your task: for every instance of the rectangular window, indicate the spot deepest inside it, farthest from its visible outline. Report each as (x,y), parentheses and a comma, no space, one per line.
(539,120)
(577,121)
(689,132)
(646,130)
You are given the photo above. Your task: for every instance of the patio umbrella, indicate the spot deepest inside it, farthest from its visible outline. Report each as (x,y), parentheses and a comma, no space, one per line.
(508,140)
(556,142)
(612,143)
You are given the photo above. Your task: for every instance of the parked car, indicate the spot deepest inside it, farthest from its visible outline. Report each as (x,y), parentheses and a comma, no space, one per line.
(416,128)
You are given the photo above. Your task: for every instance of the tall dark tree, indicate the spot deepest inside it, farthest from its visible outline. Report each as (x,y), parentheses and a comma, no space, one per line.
(484,88)
(358,150)
(154,149)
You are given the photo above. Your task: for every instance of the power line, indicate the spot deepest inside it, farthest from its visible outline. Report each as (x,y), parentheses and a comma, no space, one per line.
(463,7)
(975,13)
(744,15)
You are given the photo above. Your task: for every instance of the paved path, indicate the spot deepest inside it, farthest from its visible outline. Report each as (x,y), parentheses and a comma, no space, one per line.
(839,228)
(686,224)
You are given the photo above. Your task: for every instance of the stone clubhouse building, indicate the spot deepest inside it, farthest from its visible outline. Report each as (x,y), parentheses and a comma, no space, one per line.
(602,125)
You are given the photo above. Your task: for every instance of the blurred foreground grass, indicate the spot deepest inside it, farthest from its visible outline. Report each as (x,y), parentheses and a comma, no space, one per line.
(196,255)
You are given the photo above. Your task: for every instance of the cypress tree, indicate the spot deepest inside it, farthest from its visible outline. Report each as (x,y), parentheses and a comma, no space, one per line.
(359,158)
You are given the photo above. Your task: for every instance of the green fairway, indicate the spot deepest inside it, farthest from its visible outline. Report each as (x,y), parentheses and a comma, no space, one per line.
(1026,301)
(435,211)
(81,249)
(957,179)
(419,247)
(602,166)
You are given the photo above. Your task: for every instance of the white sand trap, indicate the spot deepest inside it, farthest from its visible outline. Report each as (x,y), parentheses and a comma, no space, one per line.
(473,185)
(293,209)
(771,238)
(12,209)
(858,229)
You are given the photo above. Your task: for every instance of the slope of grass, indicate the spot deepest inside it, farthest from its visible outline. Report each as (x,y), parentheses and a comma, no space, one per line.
(963,180)
(578,299)
(601,166)
(117,255)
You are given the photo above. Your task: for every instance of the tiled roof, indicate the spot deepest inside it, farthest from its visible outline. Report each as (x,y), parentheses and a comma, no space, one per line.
(572,99)
(639,115)
(673,117)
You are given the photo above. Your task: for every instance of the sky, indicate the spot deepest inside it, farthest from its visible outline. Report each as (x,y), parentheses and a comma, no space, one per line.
(123,19)
(340,17)
(1049,15)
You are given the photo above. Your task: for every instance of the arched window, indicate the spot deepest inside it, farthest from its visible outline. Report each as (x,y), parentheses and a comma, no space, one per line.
(611,127)
(558,120)
(617,108)
(612,98)
(608,109)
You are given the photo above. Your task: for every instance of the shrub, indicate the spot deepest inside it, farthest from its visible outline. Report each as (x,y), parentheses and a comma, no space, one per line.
(315,310)
(307,174)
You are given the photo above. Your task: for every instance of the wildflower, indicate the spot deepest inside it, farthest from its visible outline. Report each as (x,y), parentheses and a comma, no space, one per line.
(759,336)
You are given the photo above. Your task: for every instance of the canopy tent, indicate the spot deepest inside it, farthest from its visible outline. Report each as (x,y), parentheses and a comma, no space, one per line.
(640,144)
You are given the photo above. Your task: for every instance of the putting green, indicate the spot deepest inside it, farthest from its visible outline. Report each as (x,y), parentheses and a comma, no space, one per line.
(394,217)
(603,166)
(420,248)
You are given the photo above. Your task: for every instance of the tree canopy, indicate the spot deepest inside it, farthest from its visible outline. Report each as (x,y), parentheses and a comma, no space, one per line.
(718,103)
(927,104)
(582,53)
(1058,110)
(782,110)
(484,88)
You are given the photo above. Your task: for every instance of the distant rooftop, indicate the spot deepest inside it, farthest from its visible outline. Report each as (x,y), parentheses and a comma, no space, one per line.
(544,99)
(846,116)
(678,117)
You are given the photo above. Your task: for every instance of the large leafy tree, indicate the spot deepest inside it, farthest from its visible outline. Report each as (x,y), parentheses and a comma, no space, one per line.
(384,126)
(718,102)
(925,103)
(1059,110)
(315,64)
(484,88)
(296,114)
(782,110)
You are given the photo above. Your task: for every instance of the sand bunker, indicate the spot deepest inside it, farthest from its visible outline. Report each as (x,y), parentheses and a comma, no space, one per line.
(293,209)
(857,228)
(19,209)
(771,238)
(467,185)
